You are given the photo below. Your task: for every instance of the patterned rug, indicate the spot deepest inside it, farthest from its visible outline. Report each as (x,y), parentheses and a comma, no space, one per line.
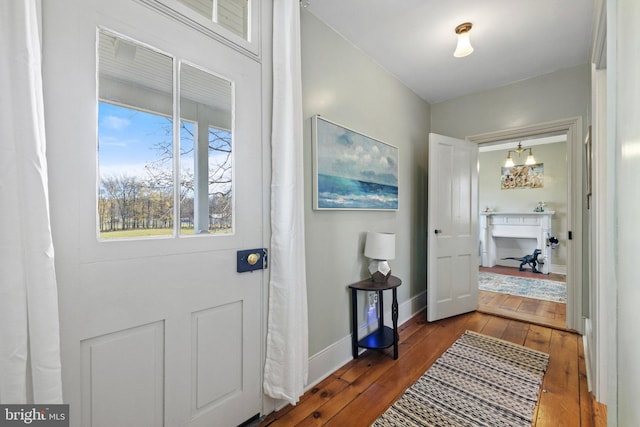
(548,290)
(478,381)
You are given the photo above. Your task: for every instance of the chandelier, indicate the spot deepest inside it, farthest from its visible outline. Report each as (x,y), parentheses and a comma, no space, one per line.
(530,159)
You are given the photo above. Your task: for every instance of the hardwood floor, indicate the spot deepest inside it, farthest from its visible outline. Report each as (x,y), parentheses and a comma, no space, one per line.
(545,313)
(357,393)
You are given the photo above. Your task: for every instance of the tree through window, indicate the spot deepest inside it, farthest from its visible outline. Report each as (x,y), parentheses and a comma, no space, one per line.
(152,183)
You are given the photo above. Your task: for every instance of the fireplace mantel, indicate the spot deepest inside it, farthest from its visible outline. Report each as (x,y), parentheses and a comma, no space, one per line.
(516,225)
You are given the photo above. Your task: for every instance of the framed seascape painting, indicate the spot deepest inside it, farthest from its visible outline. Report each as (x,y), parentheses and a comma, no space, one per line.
(351,170)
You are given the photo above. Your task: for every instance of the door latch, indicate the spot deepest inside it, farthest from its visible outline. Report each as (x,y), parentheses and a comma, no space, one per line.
(251,259)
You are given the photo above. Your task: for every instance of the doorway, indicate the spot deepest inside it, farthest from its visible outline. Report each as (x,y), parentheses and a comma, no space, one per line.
(522,183)
(569,235)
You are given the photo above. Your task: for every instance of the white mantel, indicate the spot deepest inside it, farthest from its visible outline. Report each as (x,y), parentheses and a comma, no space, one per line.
(516,225)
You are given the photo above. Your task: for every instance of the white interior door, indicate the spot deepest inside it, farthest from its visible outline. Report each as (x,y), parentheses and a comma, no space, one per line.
(452,269)
(155,330)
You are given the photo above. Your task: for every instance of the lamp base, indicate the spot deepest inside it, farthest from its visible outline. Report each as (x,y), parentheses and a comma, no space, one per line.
(379,277)
(379,270)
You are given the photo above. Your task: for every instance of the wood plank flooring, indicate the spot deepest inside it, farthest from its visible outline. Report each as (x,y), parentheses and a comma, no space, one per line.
(545,313)
(357,393)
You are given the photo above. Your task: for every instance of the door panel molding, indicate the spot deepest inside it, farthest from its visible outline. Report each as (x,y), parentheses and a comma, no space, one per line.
(118,365)
(214,379)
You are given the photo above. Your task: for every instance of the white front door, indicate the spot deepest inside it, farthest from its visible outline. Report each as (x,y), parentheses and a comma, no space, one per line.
(452,268)
(156,330)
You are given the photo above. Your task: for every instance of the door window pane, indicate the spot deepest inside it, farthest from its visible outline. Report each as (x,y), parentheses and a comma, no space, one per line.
(206,157)
(188,133)
(135,140)
(143,191)
(230,14)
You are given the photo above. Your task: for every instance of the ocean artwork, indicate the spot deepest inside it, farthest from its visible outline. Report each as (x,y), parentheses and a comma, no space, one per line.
(344,193)
(352,170)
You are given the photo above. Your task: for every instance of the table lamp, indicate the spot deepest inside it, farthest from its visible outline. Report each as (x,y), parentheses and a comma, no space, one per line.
(380,247)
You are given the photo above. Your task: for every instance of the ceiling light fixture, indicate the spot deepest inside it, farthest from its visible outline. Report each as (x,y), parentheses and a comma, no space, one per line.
(464,47)
(530,159)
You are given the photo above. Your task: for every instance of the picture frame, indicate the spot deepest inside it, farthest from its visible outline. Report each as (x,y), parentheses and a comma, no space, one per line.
(522,176)
(352,171)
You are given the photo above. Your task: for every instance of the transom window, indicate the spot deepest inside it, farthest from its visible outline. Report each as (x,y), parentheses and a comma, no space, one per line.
(230,14)
(165,156)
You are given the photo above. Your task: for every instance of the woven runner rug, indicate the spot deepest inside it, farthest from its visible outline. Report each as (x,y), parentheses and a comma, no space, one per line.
(478,381)
(548,290)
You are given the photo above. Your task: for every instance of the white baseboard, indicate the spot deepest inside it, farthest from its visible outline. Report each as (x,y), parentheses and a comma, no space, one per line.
(328,360)
(558,269)
(587,339)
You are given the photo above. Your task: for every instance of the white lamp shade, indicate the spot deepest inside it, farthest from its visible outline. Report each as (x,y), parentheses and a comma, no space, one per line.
(464,47)
(530,160)
(509,163)
(380,245)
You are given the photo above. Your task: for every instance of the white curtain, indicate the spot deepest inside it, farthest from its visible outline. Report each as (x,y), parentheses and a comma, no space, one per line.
(29,332)
(287,358)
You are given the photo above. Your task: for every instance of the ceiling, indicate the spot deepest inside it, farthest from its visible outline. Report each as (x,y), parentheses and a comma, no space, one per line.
(414,39)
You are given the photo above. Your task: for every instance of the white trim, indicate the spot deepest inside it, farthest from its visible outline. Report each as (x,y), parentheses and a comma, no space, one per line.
(599,49)
(268,403)
(573,128)
(499,146)
(600,331)
(602,248)
(326,361)
(181,13)
(558,269)
(586,343)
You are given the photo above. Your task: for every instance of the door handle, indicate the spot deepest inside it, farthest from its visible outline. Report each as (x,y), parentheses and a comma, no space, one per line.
(252,259)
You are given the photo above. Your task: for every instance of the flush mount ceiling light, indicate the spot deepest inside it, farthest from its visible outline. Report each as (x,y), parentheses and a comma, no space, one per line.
(530,159)
(464,47)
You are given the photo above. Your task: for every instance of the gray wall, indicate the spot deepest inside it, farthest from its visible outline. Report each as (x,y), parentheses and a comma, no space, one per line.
(343,85)
(559,95)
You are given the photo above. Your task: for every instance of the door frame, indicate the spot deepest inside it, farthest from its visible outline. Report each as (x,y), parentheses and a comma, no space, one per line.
(573,128)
